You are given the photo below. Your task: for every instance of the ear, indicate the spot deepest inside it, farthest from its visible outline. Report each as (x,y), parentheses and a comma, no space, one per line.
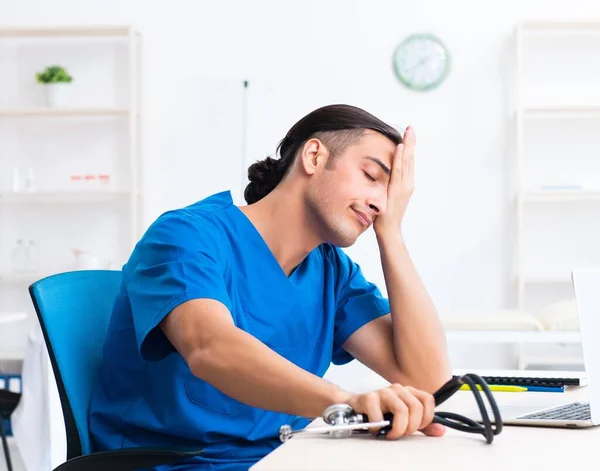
(314,155)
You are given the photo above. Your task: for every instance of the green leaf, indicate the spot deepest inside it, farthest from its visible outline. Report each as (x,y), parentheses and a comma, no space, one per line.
(54,74)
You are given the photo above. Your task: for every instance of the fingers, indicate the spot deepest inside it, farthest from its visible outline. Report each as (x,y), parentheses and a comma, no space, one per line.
(372,407)
(428,403)
(434,430)
(403,410)
(415,406)
(397,164)
(409,140)
(408,156)
(403,165)
(413,410)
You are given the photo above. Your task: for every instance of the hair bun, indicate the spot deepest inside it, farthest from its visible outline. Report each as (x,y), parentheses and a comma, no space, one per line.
(264,176)
(264,170)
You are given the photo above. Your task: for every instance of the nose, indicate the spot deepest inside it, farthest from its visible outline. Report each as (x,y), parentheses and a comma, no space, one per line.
(378,203)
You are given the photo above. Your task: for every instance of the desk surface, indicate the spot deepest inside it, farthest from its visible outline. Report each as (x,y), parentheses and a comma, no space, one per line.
(517,447)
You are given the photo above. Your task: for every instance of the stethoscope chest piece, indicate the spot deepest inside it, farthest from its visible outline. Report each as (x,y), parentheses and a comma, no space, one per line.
(341,421)
(341,414)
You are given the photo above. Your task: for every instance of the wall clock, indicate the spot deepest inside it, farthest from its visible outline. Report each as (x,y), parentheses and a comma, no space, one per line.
(421,62)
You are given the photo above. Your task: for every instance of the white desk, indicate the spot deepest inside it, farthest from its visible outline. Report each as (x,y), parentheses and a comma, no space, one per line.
(515,448)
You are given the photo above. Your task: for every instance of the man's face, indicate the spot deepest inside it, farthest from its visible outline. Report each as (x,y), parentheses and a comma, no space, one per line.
(345,197)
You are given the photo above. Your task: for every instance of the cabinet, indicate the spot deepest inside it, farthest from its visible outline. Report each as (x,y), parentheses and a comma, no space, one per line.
(556,172)
(70,174)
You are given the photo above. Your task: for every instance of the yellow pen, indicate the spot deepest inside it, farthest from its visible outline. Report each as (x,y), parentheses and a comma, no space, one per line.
(497,387)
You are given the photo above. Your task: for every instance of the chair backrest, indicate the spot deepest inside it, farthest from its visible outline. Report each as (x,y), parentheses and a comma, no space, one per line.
(74,310)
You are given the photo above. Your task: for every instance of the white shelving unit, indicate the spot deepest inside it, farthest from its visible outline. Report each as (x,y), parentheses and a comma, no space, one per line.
(11,355)
(549,196)
(557,166)
(63,197)
(511,337)
(64,112)
(99,128)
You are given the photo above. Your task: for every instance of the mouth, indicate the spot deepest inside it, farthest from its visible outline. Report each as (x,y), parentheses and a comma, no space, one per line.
(362,218)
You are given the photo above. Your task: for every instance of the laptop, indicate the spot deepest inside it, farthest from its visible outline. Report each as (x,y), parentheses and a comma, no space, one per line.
(586,287)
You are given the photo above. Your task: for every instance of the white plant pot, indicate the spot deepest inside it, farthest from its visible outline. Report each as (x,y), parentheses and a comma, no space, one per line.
(56,94)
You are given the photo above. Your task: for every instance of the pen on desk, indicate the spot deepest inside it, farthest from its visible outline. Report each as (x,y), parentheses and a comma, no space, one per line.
(498,388)
(545,389)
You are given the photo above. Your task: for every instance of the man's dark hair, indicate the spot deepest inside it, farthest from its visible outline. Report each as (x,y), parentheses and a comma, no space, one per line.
(337,126)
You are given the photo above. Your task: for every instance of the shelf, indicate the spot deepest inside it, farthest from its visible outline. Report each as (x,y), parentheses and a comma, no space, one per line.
(114,206)
(533,336)
(62,197)
(545,177)
(543,278)
(20,278)
(551,360)
(562,112)
(65,32)
(553,26)
(559,195)
(8,355)
(63,112)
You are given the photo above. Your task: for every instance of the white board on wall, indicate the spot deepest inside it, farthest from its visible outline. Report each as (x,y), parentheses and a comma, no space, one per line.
(202,145)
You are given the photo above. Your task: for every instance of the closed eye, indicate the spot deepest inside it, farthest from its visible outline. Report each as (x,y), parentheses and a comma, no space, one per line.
(369,177)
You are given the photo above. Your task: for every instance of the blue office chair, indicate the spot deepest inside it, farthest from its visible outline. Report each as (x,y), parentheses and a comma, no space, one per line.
(74,310)
(8,402)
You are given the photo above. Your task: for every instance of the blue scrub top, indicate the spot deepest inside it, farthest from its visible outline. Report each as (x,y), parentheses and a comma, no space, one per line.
(145,393)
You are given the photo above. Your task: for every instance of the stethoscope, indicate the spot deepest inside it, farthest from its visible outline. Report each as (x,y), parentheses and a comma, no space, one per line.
(342,421)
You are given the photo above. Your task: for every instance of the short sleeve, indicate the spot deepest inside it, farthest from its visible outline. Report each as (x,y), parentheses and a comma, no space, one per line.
(358,302)
(177,260)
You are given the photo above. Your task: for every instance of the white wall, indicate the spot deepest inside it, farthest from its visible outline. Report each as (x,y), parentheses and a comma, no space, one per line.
(460,221)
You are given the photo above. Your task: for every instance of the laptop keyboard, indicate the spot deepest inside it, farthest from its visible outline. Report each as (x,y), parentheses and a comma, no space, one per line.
(573,411)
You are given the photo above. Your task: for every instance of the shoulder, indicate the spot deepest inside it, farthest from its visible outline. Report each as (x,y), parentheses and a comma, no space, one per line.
(198,225)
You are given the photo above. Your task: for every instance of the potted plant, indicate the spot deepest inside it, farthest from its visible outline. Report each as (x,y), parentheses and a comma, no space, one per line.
(56,80)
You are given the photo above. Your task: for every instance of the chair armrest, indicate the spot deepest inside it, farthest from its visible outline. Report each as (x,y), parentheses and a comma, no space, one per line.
(126,459)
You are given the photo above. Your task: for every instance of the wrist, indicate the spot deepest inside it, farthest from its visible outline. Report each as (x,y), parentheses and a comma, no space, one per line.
(326,397)
(386,235)
(341,397)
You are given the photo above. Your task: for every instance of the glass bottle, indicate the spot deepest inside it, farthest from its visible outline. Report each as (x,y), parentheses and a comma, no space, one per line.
(29,180)
(19,256)
(32,256)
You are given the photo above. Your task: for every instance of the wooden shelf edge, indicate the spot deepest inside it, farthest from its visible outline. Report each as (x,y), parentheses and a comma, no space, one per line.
(68,31)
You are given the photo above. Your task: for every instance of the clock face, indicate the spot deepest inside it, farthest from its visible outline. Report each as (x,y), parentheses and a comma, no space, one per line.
(421,62)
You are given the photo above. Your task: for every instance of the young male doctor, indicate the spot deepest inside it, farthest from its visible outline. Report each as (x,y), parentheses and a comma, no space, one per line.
(228,317)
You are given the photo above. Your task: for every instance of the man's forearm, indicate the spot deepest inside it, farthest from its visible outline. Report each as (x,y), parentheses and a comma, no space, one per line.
(244,368)
(419,339)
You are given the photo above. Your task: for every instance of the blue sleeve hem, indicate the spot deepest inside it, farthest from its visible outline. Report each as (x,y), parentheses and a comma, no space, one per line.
(154,345)
(371,310)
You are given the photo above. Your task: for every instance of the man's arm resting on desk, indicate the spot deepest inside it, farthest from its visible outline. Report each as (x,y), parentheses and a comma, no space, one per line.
(407,346)
(242,367)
